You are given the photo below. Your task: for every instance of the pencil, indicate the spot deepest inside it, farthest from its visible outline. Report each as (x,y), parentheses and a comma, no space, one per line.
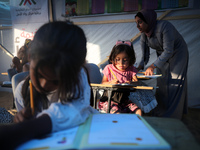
(113,74)
(31,97)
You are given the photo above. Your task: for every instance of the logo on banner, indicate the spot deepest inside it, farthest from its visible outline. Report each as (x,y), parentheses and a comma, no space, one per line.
(25,1)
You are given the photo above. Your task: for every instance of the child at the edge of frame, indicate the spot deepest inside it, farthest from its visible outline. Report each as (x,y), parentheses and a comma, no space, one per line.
(61,89)
(121,70)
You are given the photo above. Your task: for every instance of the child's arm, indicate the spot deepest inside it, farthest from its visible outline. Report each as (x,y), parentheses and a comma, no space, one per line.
(105,81)
(22,115)
(17,133)
(134,79)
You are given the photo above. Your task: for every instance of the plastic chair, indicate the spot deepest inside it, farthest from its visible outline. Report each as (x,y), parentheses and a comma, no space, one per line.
(94,73)
(16,79)
(95,77)
(11,73)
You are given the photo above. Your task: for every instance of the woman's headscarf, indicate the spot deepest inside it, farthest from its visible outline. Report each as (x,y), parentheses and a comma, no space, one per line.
(149,16)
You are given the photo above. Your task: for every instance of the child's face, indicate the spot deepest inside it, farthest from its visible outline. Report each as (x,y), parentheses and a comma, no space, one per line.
(47,79)
(122,61)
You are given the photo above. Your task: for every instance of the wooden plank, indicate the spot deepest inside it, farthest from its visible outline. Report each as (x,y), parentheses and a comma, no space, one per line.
(142,72)
(103,61)
(144,87)
(5,28)
(101,85)
(4,73)
(6,51)
(143,78)
(104,22)
(123,86)
(50,11)
(135,37)
(162,17)
(164,14)
(182,17)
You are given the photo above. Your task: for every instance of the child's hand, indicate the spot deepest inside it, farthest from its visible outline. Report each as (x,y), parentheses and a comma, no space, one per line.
(24,114)
(134,79)
(114,81)
(129,82)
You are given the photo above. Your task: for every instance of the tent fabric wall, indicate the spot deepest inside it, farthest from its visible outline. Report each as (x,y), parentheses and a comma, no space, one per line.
(5,16)
(6,39)
(102,37)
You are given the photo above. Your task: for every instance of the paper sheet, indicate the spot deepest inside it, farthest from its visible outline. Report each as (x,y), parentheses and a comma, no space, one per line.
(152,76)
(114,129)
(57,139)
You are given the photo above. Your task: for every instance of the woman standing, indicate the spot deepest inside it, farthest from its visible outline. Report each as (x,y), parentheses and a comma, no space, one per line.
(171,62)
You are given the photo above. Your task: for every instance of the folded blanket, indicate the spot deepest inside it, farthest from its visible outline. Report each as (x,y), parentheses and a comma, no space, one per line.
(5,116)
(144,99)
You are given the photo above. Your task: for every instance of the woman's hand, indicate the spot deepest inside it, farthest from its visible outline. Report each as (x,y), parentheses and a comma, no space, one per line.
(149,71)
(24,114)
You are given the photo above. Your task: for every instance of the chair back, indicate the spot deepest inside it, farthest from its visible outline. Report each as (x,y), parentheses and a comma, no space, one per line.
(94,73)
(11,73)
(16,79)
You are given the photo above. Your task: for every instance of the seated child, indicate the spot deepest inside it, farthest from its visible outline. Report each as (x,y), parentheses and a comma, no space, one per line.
(23,55)
(61,90)
(121,70)
(16,64)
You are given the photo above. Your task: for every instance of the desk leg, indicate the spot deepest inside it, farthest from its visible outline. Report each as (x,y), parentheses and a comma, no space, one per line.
(95,97)
(13,102)
(109,101)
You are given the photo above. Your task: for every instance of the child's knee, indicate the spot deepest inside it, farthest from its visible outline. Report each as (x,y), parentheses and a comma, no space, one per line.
(139,112)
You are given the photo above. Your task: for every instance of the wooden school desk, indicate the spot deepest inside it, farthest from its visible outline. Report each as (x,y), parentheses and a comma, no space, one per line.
(4,73)
(113,88)
(5,83)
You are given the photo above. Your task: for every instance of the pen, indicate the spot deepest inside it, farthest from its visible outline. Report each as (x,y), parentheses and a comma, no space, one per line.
(31,97)
(113,74)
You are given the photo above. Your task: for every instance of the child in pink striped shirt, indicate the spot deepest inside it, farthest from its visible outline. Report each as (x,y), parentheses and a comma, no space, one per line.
(121,70)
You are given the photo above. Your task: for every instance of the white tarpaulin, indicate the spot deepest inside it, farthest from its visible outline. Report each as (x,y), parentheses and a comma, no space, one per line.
(102,37)
(27,16)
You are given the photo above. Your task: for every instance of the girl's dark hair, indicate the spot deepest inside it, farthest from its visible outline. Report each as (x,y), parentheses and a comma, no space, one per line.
(123,48)
(140,15)
(61,46)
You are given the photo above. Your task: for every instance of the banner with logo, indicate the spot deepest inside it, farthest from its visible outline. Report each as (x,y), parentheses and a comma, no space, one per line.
(27,16)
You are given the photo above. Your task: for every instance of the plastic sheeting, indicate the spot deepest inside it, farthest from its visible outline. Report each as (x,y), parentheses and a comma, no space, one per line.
(102,37)
(5,18)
